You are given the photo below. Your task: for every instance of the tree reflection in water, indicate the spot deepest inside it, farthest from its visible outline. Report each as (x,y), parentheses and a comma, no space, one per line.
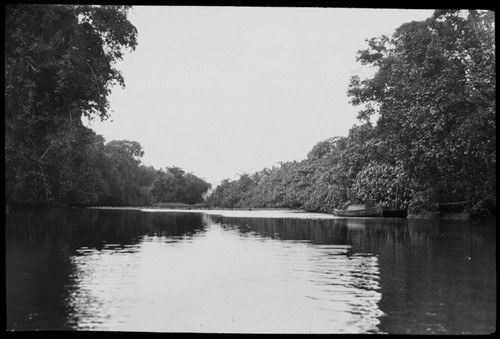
(123,269)
(40,245)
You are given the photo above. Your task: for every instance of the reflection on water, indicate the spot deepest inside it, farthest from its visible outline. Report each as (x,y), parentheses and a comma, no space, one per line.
(223,281)
(41,245)
(126,270)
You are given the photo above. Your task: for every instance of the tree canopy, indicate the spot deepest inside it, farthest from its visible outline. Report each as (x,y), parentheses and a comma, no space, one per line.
(434,89)
(175,185)
(59,66)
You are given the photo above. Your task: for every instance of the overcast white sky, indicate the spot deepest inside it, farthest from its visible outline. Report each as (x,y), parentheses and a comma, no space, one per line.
(222,91)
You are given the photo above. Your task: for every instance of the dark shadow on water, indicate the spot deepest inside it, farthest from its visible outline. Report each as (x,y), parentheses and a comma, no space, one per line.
(40,242)
(440,279)
(93,228)
(358,233)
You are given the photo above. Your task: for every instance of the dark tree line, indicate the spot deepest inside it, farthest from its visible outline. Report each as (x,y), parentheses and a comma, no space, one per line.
(433,98)
(175,185)
(59,68)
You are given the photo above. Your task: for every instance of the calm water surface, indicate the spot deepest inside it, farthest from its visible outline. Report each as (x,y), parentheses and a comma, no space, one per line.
(251,272)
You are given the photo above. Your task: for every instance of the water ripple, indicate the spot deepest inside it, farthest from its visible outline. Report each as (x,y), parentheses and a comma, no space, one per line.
(221,280)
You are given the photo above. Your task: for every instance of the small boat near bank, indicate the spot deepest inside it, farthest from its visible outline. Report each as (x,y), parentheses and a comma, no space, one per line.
(354,211)
(453,211)
(451,207)
(360,211)
(395,213)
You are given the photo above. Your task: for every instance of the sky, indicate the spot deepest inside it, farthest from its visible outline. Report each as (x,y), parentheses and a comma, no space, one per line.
(223,91)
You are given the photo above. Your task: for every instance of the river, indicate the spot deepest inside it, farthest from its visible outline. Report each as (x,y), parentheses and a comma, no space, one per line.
(247,272)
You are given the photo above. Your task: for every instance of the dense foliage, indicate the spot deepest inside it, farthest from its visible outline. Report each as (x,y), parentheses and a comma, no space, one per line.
(59,68)
(175,185)
(433,100)
(435,90)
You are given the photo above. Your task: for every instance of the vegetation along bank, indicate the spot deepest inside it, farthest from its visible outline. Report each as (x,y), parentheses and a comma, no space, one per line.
(427,131)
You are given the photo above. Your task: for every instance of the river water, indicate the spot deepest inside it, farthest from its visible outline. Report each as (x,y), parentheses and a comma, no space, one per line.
(247,272)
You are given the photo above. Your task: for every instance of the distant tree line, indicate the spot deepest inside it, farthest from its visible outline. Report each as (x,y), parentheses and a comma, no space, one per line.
(59,68)
(433,97)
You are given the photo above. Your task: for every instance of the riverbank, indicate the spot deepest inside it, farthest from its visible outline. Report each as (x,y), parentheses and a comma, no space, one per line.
(265,211)
(271,213)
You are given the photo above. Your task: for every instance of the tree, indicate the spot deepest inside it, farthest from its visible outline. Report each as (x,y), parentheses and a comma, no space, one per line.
(382,183)
(74,167)
(433,90)
(123,172)
(59,67)
(195,189)
(175,185)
